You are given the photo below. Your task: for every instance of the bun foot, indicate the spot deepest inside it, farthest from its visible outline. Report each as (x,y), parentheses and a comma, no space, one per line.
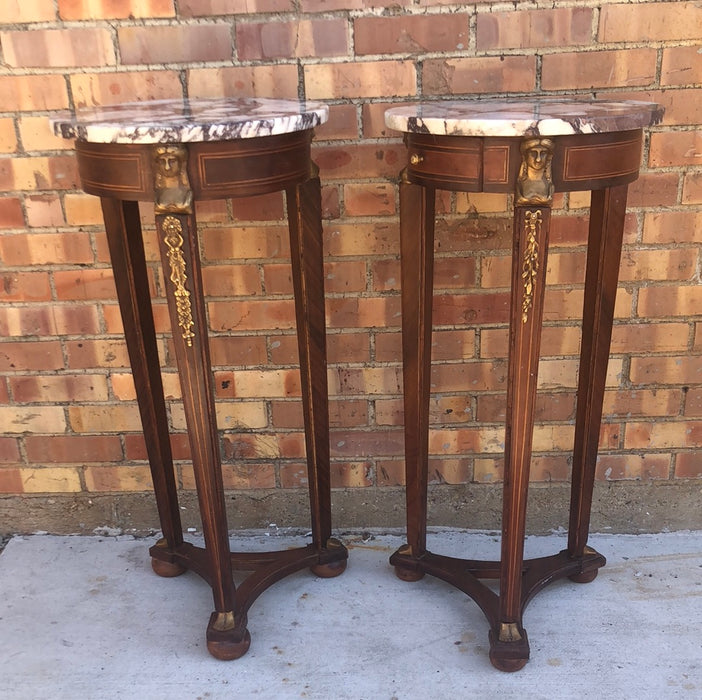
(225,640)
(167,569)
(584,577)
(509,650)
(330,570)
(410,575)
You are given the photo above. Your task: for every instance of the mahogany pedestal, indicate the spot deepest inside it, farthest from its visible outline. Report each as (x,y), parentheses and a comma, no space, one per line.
(174,175)
(513,158)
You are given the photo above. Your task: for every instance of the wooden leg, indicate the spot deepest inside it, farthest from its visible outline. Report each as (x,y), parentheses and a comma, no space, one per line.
(509,646)
(305,224)
(417,205)
(607,214)
(227,636)
(127,253)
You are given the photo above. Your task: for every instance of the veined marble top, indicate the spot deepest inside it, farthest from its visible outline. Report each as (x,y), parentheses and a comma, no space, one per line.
(183,120)
(525,117)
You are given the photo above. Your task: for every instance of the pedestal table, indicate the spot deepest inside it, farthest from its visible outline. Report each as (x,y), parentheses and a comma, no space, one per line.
(173,153)
(531,149)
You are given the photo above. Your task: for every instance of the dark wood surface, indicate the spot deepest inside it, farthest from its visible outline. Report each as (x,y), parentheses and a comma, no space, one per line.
(605,164)
(122,175)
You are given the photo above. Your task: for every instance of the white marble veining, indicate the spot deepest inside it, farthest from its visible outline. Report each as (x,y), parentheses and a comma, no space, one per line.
(524,117)
(183,121)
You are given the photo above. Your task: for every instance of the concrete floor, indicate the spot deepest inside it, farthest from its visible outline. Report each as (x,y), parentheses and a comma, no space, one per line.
(85,618)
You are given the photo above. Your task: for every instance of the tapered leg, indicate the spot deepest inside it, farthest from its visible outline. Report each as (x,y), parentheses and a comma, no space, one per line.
(227,636)
(607,212)
(127,253)
(417,205)
(305,225)
(509,646)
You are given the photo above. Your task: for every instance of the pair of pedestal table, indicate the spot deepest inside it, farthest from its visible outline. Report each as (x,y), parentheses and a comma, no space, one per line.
(174,153)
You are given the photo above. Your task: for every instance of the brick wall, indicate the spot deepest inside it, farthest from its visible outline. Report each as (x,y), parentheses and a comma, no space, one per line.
(69,426)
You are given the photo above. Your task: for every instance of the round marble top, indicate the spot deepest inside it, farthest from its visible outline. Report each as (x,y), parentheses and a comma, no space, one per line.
(526,117)
(183,120)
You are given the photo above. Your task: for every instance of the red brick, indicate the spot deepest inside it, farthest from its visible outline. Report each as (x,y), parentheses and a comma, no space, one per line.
(692,188)
(675,148)
(55,389)
(58,47)
(114,9)
(265,207)
(693,402)
(245,242)
(45,248)
(342,124)
(31,356)
(84,284)
(371,238)
(124,478)
(411,34)
(43,211)
(479,75)
(349,381)
(297,39)
(650,337)
(644,402)
(654,190)
(11,481)
(365,312)
(617,467)
(90,89)
(655,21)
(11,215)
(174,44)
(331,207)
(9,450)
(366,79)
(365,199)
(91,354)
(684,369)
(332,5)
(231,280)
(227,351)
(360,161)
(251,315)
(688,465)
(135,447)
(203,8)
(360,443)
(22,11)
(461,309)
(667,227)
(48,320)
(351,474)
(534,28)
(29,92)
(8,139)
(78,449)
(25,286)
(37,135)
(347,347)
(344,413)
(582,70)
(244,81)
(390,472)
(656,265)
(682,65)
(373,116)
(656,302)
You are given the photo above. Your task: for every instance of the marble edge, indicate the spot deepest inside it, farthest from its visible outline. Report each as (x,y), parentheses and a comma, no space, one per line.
(398,119)
(76,125)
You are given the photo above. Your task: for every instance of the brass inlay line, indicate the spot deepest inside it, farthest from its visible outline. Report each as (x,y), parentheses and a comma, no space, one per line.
(530,264)
(173,229)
